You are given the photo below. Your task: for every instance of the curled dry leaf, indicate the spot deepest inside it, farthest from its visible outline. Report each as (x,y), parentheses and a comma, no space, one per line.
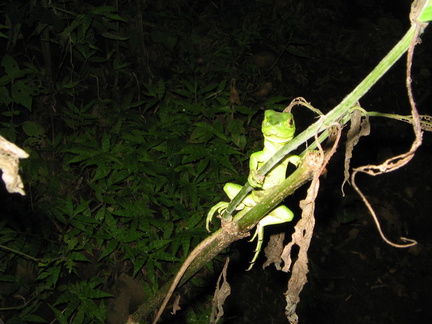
(176,305)
(234,95)
(220,295)
(273,251)
(9,164)
(358,128)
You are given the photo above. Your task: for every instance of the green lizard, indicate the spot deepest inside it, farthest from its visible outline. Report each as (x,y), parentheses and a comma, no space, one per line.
(278,129)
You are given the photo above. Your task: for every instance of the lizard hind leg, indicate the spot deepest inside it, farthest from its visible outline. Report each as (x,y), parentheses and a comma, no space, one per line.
(280,215)
(260,233)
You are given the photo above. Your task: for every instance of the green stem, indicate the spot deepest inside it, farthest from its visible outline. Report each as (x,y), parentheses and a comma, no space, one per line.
(305,171)
(19,253)
(425,120)
(337,114)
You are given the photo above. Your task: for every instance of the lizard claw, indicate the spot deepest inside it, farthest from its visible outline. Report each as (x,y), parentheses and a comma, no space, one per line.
(216,209)
(260,233)
(255,181)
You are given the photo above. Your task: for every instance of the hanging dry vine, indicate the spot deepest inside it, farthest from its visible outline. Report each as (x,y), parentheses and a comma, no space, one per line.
(358,129)
(400,160)
(223,290)
(302,236)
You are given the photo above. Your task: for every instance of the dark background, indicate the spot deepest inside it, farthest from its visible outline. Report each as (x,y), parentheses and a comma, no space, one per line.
(319,50)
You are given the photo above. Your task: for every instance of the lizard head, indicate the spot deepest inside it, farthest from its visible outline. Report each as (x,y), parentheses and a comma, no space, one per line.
(278,126)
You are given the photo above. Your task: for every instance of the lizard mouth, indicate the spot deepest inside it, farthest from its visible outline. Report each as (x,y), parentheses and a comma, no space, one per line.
(278,138)
(278,135)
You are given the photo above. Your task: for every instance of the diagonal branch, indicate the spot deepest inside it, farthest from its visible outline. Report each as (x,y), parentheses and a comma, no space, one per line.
(231,232)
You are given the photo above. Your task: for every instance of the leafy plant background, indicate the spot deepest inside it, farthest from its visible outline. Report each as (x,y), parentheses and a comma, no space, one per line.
(135,113)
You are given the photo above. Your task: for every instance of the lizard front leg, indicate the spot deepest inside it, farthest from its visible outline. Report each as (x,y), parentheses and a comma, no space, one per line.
(216,209)
(231,189)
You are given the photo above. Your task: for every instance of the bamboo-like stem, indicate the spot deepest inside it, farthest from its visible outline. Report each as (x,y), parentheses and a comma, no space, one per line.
(233,231)
(339,113)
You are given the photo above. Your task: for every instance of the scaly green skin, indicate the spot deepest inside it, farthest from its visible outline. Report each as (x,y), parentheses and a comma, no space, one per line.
(278,129)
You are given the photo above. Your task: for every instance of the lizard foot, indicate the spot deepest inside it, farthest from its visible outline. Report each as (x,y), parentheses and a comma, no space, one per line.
(260,233)
(279,216)
(218,208)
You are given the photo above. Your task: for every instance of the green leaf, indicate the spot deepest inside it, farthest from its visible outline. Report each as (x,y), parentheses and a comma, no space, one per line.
(160,92)
(86,22)
(115,37)
(102,171)
(108,12)
(100,215)
(426,14)
(168,230)
(245,110)
(193,153)
(129,236)
(109,248)
(186,243)
(194,220)
(183,92)
(164,38)
(4,96)
(77,256)
(276,102)
(93,293)
(202,133)
(69,206)
(202,165)
(207,89)
(81,208)
(239,140)
(22,94)
(32,318)
(150,267)
(151,103)
(222,86)
(148,289)
(163,256)
(54,274)
(102,312)
(79,316)
(158,244)
(70,85)
(226,162)
(138,264)
(219,130)
(60,317)
(11,66)
(105,142)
